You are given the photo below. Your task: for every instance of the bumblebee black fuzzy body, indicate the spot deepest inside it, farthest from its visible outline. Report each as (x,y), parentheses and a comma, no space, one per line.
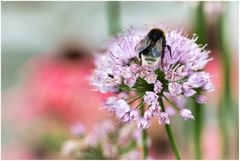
(152,48)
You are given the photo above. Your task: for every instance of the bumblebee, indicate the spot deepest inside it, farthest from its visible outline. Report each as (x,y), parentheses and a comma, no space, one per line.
(152,48)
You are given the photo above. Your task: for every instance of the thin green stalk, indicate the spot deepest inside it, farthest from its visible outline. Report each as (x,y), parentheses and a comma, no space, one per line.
(201,30)
(223,128)
(225,58)
(135,99)
(170,134)
(198,114)
(171,103)
(201,26)
(145,149)
(131,97)
(139,106)
(180,80)
(226,108)
(144,136)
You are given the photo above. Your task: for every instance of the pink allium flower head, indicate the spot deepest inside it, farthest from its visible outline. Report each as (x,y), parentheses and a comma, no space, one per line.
(163,118)
(120,69)
(155,109)
(143,124)
(130,115)
(134,68)
(134,114)
(148,114)
(158,87)
(101,138)
(151,78)
(120,107)
(201,99)
(186,114)
(126,117)
(198,79)
(129,77)
(175,88)
(130,81)
(209,87)
(187,90)
(150,98)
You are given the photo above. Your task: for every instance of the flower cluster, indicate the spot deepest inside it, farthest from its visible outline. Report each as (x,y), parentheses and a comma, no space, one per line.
(148,88)
(105,141)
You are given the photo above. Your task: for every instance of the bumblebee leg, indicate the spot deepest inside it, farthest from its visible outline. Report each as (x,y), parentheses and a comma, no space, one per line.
(140,59)
(133,60)
(137,61)
(169,49)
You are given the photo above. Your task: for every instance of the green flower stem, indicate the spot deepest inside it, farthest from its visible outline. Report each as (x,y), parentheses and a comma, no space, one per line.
(170,134)
(201,30)
(226,112)
(144,136)
(113,13)
(198,129)
(145,149)
(225,53)
(223,128)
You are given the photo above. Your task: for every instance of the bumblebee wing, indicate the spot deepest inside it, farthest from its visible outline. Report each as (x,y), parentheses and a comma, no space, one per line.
(143,44)
(157,49)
